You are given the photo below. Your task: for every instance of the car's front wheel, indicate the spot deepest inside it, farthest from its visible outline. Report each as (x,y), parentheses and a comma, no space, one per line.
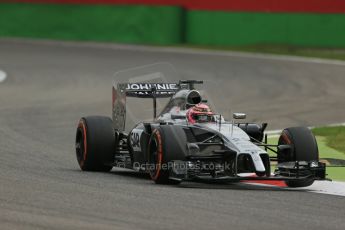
(303,147)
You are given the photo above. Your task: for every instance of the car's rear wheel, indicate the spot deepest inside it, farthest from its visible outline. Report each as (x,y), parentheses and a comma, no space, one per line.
(167,143)
(303,148)
(95,143)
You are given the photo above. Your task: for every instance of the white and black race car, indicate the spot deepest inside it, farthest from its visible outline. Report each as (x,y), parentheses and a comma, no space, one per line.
(187,141)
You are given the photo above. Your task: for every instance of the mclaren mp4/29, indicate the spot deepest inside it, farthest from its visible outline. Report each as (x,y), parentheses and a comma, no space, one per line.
(187,141)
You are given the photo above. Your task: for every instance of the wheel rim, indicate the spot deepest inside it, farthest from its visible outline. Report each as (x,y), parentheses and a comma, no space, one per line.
(81,144)
(284,139)
(155,159)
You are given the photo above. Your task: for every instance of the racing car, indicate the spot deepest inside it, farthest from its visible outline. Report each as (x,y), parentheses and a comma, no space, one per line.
(187,141)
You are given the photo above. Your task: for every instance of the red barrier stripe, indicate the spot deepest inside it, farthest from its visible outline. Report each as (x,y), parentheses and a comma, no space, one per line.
(317,6)
(308,6)
(142,2)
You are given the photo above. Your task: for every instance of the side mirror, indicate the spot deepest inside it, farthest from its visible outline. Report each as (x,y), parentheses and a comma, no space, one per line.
(239,115)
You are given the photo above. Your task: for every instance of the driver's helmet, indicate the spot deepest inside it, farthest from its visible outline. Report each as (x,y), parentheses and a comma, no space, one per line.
(200,113)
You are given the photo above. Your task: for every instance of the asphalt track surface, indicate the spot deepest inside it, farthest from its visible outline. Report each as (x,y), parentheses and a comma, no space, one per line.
(51,85)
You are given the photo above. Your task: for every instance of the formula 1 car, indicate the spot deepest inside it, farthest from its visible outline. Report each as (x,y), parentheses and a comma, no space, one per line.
(187,141)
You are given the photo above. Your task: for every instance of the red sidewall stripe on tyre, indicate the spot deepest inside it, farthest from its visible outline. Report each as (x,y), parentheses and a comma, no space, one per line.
(286,138)
(160,155)
(83,127)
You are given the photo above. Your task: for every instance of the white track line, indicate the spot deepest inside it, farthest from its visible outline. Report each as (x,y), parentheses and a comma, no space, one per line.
(327,187)
(181,50)
(324,187)
(3,76)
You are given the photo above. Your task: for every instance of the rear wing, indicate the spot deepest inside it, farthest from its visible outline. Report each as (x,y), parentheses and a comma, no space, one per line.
(139,90)
(149,90)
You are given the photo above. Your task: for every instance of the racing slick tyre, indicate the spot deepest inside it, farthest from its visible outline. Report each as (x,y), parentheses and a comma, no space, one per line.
(167,143)
(303,148)
(95,143)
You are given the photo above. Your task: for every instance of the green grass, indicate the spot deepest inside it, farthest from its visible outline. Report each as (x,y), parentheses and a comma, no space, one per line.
(325,150)
(331,143)
(315,52)
(336,173)
(334,137)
